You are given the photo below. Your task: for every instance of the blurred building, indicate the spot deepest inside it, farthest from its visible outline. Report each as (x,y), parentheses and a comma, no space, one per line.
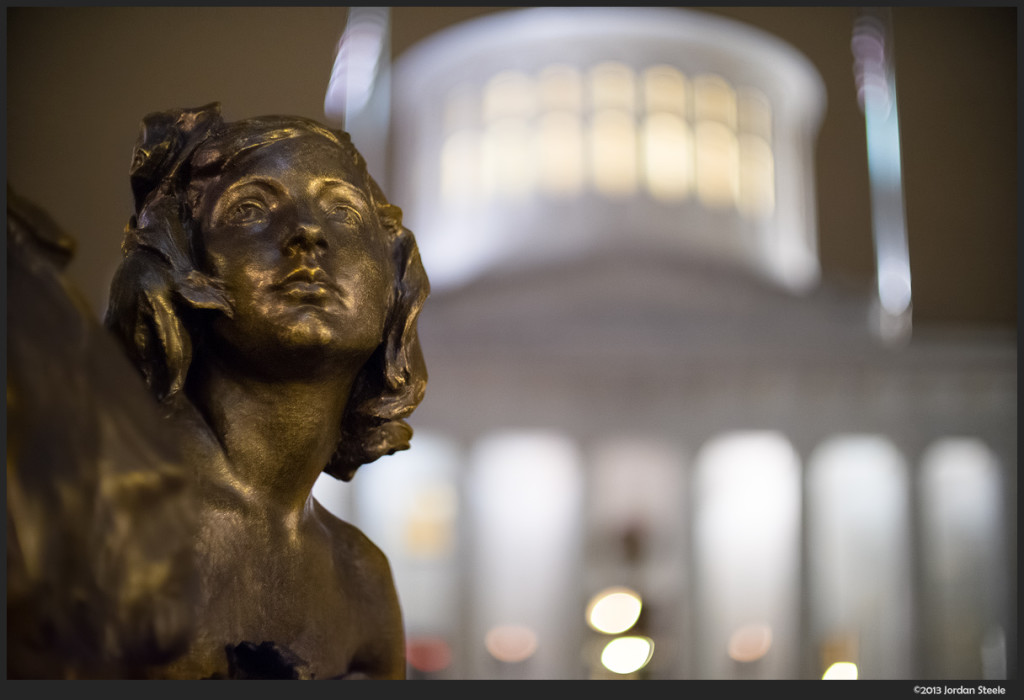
(639,379)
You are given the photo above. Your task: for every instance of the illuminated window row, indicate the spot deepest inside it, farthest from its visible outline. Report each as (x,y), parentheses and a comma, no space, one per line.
(613,131)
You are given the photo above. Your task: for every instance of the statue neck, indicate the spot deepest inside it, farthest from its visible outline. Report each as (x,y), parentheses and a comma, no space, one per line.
(276,435)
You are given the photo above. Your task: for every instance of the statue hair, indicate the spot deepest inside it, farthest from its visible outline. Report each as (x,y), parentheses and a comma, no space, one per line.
(159,291)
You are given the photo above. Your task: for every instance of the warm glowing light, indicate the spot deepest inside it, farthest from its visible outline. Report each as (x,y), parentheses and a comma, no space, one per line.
(841,671)
(560,150)
(614,610)
(665,90)
(560,87)
(757,177)
(755,113)
(718,165)
(668,156)
(428,654)
(507,163)
(612,86)
(509,94)
(715,100)
(627,654)
(511,643)
(613,152)
(430,524)
(750,643)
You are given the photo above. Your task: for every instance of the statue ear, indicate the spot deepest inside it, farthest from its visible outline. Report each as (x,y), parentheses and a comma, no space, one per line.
(147,297)
(141,314)
(158,324)
(200,291)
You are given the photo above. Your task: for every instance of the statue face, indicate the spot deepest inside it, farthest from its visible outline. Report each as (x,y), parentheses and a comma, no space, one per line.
(291,232)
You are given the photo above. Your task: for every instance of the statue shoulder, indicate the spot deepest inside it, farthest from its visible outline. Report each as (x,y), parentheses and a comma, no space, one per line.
(368,580)
(352,548)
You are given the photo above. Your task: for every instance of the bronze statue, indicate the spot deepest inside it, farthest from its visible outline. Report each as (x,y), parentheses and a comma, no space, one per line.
(100,509)
(269,295)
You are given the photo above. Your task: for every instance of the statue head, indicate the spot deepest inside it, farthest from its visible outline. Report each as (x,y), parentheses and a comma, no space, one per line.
(268,240)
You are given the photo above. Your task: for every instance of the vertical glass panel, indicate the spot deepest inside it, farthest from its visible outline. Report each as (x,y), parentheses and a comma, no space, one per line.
(714,100)
(507,160)
(613,86)
(668,156)
(560,153)
(560,87)
(755,113)
(717,165)
(509,94)
(408,505)
(665,90)
(965,567)
(757,178)
(526,527)
(613,152)
(747,555)
(859,556)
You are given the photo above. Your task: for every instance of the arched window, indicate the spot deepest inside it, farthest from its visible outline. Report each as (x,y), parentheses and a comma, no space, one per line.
(717,147)
(508,163)
(612,139)
(560,136)
(666,134)
(756,195)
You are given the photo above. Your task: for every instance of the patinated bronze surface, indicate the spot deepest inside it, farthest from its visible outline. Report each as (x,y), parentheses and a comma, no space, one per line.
(100,510)
(268,295)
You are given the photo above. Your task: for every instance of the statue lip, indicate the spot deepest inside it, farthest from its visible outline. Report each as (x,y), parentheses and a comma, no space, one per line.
(308,282)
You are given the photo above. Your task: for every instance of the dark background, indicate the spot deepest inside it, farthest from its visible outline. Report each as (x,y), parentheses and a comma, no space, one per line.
(81,79)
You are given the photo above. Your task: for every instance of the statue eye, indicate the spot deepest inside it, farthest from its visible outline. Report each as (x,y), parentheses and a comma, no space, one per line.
(247,211)
(339,212)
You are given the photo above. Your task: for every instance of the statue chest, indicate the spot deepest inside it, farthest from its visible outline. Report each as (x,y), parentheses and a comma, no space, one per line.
(262,587)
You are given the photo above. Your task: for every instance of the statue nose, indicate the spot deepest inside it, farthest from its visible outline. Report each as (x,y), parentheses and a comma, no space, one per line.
(306,237)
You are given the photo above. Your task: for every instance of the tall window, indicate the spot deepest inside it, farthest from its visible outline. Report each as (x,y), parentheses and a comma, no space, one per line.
(666,134)
(560,136)
(613,129)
